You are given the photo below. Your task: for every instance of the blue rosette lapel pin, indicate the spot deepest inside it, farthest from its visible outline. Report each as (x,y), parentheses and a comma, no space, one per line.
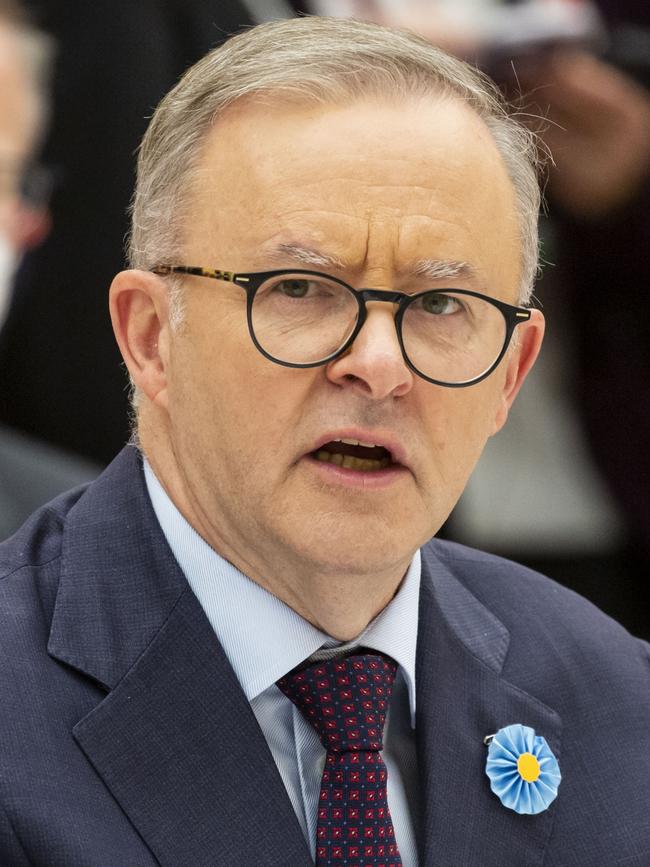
(523,772)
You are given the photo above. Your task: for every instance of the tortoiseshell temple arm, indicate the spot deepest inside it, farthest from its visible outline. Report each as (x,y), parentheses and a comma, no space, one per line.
(213,273)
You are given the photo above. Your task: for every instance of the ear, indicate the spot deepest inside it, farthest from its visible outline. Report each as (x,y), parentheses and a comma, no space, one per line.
(139,313)
(519,362)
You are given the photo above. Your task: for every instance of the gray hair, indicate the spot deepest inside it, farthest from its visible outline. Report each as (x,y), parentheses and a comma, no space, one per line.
(321,60)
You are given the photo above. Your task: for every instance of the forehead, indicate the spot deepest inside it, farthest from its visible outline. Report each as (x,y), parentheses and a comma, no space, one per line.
(377,185)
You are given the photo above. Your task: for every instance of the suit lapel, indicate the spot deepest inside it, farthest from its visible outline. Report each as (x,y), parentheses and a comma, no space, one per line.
(180,749)
(175,740)
(461,697)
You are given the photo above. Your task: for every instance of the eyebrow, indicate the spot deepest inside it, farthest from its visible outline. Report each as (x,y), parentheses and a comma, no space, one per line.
(307,256)
(443,269)
(431,269)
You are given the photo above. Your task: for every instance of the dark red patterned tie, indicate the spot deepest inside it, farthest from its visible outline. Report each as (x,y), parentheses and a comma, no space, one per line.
(346,701)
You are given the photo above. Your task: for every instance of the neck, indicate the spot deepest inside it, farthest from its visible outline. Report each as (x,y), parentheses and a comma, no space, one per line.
(339,605)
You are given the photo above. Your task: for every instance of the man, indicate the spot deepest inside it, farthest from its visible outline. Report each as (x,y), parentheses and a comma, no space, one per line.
(333,228)
(31,473)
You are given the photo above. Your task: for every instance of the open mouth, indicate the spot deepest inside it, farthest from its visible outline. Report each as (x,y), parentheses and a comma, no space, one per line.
(353,455)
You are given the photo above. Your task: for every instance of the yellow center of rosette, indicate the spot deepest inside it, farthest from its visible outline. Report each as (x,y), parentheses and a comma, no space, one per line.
(528,767)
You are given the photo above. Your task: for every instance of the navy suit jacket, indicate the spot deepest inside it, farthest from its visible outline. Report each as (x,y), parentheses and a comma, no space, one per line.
(125,738)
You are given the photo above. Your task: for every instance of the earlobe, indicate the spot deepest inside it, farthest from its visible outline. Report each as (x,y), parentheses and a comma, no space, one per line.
(139,313)
(519,361)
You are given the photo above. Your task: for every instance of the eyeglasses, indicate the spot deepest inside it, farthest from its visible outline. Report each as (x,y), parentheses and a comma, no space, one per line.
(450,337)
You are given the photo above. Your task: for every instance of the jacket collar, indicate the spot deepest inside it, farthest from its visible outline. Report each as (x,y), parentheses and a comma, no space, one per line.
(118,579)
(462,697)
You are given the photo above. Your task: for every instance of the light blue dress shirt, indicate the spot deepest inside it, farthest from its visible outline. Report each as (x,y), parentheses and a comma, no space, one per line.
(264,639)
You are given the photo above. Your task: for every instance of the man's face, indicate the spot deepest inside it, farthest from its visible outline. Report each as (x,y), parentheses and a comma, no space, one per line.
(378,187)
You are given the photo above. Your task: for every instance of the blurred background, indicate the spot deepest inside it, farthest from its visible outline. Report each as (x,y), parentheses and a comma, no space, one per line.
(565,487)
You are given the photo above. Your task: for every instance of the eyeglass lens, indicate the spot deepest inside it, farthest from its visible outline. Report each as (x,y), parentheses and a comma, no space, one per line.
(447,336)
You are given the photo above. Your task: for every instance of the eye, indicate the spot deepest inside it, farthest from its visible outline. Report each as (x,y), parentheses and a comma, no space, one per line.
(439,304)
(293,287)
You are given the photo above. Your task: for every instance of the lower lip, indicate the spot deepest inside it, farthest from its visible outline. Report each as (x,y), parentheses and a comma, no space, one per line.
(369,480)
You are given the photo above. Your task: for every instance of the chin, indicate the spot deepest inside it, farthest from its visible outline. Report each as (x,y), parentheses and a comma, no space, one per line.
(354,547)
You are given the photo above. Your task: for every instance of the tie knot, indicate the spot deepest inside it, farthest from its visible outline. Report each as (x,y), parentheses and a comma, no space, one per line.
(344,699)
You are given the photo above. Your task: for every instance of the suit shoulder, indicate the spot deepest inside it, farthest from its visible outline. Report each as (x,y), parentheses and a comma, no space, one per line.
(39,540)
(533,607)
(30,568)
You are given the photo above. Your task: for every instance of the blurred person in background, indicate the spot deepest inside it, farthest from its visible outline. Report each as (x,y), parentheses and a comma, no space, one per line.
(566,487)
(24,55)
(585,424)
(114,61)
(30,472)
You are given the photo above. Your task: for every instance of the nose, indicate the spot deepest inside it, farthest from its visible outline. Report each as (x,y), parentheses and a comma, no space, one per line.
(374,364)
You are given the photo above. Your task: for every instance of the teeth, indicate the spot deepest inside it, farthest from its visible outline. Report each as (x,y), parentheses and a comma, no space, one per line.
(351,463)
(356,443)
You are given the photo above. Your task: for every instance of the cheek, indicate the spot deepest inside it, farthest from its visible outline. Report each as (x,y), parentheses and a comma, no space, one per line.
(460,422)
(235,404)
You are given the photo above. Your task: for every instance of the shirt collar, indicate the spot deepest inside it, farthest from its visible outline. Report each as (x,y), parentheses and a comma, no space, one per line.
(262,637)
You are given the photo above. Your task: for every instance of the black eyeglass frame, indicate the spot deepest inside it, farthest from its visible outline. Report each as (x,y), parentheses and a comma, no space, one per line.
(250,282)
